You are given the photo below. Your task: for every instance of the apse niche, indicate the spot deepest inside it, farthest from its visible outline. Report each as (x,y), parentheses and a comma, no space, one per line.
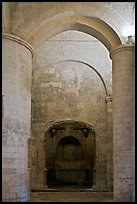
(70,155)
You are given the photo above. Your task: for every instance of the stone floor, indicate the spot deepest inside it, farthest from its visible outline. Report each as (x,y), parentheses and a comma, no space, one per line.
(71,195)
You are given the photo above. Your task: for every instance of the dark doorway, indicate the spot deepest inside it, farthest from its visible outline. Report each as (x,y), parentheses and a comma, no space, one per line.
(70,155)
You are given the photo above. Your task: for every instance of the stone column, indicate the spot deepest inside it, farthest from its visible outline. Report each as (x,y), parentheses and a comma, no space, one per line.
(109,144)
(44,176)
(133,148)
(45,186)
(122,75)
(16,85)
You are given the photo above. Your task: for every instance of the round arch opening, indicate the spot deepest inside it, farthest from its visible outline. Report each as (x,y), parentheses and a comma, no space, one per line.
(70,154)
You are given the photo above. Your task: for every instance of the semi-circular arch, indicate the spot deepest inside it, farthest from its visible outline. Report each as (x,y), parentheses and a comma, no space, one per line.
(54,124)
(91,67)
(90,25)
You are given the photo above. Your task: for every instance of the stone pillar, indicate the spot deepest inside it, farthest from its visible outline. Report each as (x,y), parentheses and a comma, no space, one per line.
(45,178)
(133,148)
(109,144)
(16,85)
(45,186)
(122,75)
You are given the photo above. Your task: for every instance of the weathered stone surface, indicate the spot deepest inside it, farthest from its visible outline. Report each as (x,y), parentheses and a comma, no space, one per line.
(66,88)
(16,83)
(123,123)
(72,91)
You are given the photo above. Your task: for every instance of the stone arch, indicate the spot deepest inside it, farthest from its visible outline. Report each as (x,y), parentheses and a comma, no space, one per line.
(90,25)
(67,141)
(60,156)
(91,67)
(67,121)
(88,65)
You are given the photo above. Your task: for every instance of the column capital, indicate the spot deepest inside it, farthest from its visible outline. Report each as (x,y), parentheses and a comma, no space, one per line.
(121,48)
(19,40)
(108,99)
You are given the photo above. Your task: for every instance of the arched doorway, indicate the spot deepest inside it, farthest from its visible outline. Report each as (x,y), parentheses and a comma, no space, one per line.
(70,154)
(104,34)
(109,38)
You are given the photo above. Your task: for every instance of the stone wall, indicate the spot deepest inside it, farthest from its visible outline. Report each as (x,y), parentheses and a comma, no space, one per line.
(39,25)
(64,89)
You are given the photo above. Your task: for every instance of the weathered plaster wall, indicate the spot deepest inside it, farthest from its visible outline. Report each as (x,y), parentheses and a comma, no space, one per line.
(63,89)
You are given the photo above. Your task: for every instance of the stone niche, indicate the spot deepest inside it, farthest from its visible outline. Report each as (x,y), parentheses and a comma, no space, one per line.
(70,153)
(69,164)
